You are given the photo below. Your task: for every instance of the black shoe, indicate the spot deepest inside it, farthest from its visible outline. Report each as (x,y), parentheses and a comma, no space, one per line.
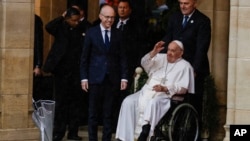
(57,137)
(144,133)
(74,137)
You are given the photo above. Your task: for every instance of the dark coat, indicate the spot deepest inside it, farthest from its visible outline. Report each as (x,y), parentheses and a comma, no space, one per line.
(83,26)
(97,60)
(133,40)
(195,36)
(65,52)
(38,42)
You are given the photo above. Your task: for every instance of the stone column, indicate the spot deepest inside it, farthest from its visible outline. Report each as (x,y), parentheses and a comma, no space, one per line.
(218,12)
(93,10)
(16,64)
(219,62)
(238,105)
(16,52)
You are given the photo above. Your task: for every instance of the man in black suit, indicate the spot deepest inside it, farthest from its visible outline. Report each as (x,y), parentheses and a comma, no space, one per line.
(103,71)
(64,61)
(38,58)
(83,26)
(38,45)
(134,43)
(132,37)
(195,34)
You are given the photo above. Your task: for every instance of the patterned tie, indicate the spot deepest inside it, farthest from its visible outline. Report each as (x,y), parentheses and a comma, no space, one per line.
(121,26)
(107,43)
(185,21)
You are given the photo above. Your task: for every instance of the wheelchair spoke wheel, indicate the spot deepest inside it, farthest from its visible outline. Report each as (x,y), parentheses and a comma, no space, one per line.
(183,125)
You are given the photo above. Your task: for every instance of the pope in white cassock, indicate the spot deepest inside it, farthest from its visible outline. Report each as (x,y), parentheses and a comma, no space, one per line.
(168,74)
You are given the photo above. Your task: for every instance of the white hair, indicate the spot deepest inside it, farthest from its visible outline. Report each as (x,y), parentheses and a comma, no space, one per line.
(179,43)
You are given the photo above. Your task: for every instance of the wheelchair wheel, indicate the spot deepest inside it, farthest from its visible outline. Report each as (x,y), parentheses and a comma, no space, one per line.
(183,124)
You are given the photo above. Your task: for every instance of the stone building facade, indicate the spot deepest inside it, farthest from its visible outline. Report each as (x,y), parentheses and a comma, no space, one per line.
(229,58)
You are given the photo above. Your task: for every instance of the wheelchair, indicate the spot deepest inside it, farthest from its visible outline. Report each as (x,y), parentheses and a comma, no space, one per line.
(180,123)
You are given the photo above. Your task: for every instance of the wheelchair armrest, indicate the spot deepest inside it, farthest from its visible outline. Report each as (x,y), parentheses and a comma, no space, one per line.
(180,98)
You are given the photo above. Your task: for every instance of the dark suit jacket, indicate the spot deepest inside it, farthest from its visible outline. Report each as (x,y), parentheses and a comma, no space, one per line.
(83,26)
(195,36)
(38,42)
(97,60)
(65,52)
(133,40)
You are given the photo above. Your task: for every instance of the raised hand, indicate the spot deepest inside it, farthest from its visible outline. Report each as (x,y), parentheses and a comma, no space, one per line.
(157,48)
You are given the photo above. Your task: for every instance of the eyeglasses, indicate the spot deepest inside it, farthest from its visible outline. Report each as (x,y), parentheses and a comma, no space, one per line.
(108,17)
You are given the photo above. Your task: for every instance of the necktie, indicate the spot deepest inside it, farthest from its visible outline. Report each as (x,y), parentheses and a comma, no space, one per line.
(185,21)
(106,39)
(121,26)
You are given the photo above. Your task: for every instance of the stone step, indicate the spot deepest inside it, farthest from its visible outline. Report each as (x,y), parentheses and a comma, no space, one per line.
(83,132)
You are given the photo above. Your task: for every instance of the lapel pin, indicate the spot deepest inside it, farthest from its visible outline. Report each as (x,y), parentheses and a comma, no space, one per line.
(191,21)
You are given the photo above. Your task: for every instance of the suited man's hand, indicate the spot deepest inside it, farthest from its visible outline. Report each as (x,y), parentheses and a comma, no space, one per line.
(37,71)
(123,85)
(85,86)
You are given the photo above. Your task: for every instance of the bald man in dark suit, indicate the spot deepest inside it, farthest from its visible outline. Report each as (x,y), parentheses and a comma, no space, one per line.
(103,71)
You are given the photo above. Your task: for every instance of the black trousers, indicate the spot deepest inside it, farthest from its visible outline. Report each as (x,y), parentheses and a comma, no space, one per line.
(68,95)
(43,87)
(101,96)
(197,98)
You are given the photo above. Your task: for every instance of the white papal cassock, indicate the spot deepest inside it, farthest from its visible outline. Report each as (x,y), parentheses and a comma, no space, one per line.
(147,106)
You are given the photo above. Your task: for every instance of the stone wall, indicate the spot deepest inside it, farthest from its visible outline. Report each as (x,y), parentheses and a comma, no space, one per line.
(16,64)
(218,12)
(238,105)
(16,52)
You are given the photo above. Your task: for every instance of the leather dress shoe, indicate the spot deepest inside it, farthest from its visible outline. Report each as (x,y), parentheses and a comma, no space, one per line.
(74,137)
(57,138)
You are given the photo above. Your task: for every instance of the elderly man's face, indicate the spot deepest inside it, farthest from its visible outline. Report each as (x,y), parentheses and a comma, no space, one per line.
(174,52)
(187,6)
